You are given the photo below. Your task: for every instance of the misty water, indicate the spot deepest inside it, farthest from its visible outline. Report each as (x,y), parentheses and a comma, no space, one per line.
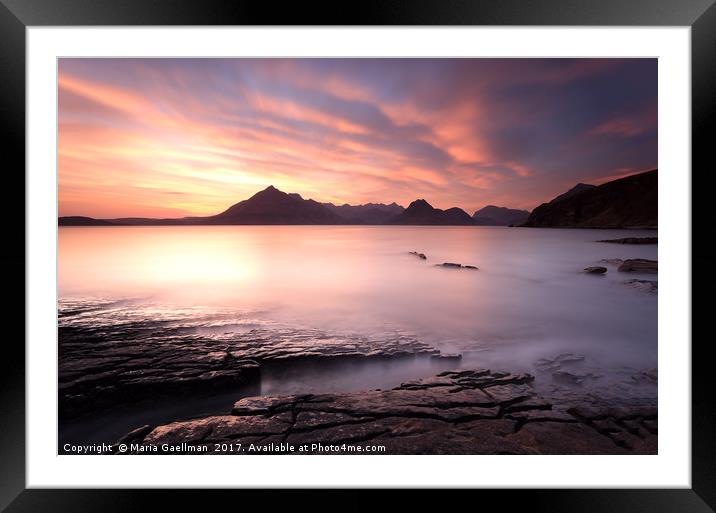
(528,300)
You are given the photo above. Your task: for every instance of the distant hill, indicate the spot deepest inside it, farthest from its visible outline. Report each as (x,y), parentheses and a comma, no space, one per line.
(500,216)
(272,206)
(628,202)
(370,213)
(82,221)
(420,212)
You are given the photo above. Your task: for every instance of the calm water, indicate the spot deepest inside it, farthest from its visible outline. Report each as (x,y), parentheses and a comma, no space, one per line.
(529,300)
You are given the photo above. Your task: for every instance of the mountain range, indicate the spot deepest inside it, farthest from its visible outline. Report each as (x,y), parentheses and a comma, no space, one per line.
(370,213)
(622,203)
(274,207)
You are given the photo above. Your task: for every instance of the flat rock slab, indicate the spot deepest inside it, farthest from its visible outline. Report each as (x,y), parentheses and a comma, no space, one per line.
(456,412)
(110,354)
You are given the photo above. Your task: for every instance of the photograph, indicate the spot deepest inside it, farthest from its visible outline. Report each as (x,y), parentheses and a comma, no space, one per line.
(357,256)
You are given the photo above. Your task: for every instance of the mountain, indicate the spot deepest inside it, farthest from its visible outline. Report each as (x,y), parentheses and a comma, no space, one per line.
(272,206)
(500,216)
(370,213)
(628,202)
(420,212)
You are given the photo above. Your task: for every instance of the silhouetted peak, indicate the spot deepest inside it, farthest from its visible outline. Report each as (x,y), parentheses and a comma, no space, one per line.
(269,192)
(420,204)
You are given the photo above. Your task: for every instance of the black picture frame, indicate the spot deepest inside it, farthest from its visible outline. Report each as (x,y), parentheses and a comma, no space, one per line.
(17,15)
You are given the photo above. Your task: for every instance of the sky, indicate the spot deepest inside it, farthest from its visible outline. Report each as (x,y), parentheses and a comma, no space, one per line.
(177,137)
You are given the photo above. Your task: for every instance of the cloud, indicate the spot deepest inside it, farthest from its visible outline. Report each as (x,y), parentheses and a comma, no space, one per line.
(192,136)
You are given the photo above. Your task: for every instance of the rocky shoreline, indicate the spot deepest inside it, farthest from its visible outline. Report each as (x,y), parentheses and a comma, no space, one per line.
(97,374)
(111,355)
(456,412)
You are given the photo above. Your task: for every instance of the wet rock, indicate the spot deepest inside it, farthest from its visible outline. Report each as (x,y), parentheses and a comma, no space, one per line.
(639,265)
(452,265)
(648,376)
(650,286)
(474,437)
(267,405)
(419,255)
(564,438)
(572,378)
(314,419)
(632,240)
(447,357)
(218,429)
(135,436)
(424,383)
(127,384)
(559,361)
(595,270)
(114,356)
(510,394)
(650,425)
(455,412)
(540,415)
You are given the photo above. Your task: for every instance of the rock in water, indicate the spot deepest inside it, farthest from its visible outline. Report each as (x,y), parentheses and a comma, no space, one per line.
(421,256)
(559,361)
(595,270)
(447,357)
(639,265)
(645,285)
(632,240)
(453,265)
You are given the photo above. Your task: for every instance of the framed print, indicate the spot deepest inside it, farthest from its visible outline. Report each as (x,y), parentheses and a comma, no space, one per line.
(407,247)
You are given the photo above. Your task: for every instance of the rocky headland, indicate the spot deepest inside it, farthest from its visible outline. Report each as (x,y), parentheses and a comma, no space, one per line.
(629,202)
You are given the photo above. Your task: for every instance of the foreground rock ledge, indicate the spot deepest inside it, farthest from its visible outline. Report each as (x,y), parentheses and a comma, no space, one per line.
(99,372)
(455,412)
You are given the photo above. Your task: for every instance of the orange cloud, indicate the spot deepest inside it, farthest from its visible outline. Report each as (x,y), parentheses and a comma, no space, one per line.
(179,137)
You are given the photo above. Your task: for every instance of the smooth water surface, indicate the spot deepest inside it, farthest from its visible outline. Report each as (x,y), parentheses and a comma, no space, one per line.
(529,299)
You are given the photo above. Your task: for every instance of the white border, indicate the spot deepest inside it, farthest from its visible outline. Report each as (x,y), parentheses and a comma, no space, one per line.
(670,468)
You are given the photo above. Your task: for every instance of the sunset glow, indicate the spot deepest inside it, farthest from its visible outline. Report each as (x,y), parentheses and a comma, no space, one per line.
(178,137)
